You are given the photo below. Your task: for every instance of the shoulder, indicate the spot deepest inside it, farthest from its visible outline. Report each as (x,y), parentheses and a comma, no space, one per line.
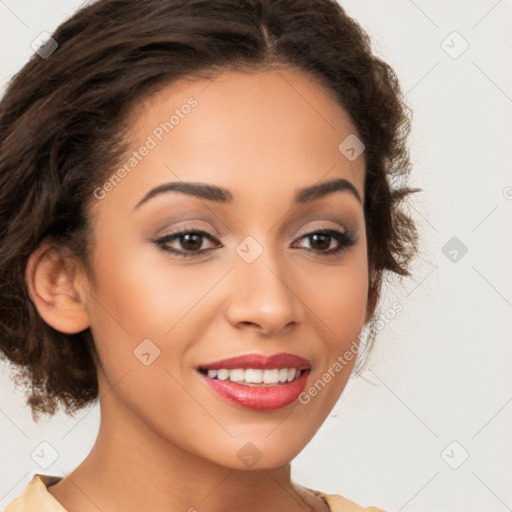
(338,503)
(35,496)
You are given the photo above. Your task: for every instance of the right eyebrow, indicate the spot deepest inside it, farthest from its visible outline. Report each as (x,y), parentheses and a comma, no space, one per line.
(201,190)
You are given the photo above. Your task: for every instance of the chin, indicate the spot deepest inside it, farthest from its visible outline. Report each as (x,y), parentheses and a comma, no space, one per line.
(257,452)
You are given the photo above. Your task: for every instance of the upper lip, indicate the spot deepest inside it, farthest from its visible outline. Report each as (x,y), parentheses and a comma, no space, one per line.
(258,361)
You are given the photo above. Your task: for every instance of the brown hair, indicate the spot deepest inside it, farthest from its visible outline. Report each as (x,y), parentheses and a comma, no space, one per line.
(60,133)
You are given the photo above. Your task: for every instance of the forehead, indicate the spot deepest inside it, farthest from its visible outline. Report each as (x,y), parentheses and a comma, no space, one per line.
(246,131)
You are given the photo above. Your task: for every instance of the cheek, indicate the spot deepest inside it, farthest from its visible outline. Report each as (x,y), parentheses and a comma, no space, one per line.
(338,302)
(146,295)
(338,296)
(146,314)
(341,306)
(142,323)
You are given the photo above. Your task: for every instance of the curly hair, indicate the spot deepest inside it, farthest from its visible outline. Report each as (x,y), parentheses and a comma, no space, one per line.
(61,129)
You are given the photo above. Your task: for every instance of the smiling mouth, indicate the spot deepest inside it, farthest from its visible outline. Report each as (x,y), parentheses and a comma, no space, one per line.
(255,376)
(257,389)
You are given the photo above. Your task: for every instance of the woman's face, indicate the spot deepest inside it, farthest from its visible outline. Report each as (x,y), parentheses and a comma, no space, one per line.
(251,279)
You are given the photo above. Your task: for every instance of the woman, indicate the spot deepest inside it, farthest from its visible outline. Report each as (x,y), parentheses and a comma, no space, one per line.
(199,201)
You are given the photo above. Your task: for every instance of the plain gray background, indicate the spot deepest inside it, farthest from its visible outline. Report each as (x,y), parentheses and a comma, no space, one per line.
(437,389)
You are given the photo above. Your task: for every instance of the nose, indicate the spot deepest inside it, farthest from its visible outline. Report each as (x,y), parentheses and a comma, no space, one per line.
(264,295)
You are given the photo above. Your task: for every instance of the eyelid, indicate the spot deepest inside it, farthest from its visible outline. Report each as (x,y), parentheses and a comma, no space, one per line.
(321,227)
(186,225)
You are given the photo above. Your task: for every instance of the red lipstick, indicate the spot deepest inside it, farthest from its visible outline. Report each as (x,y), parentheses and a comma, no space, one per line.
(293,371)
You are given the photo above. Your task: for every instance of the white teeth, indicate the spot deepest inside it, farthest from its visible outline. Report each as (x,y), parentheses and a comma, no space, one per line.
(291,374)
(270,376)
(256,376)
(223,374)
(236,375)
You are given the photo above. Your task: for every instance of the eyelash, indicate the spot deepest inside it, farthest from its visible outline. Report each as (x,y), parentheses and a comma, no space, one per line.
(345,240)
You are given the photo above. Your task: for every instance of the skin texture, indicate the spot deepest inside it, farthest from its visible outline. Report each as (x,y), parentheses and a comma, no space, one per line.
(166,442)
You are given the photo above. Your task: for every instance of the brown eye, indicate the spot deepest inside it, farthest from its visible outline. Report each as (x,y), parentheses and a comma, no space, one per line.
(321,241)
(190,240)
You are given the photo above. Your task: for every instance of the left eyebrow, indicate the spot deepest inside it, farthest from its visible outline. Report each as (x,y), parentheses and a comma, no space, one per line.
(224,196)
(308,194)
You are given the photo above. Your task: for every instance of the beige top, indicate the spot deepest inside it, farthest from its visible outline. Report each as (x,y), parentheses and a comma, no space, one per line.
(36,498)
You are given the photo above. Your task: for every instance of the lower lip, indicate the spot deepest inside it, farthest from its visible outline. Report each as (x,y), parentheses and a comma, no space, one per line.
(260,398)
